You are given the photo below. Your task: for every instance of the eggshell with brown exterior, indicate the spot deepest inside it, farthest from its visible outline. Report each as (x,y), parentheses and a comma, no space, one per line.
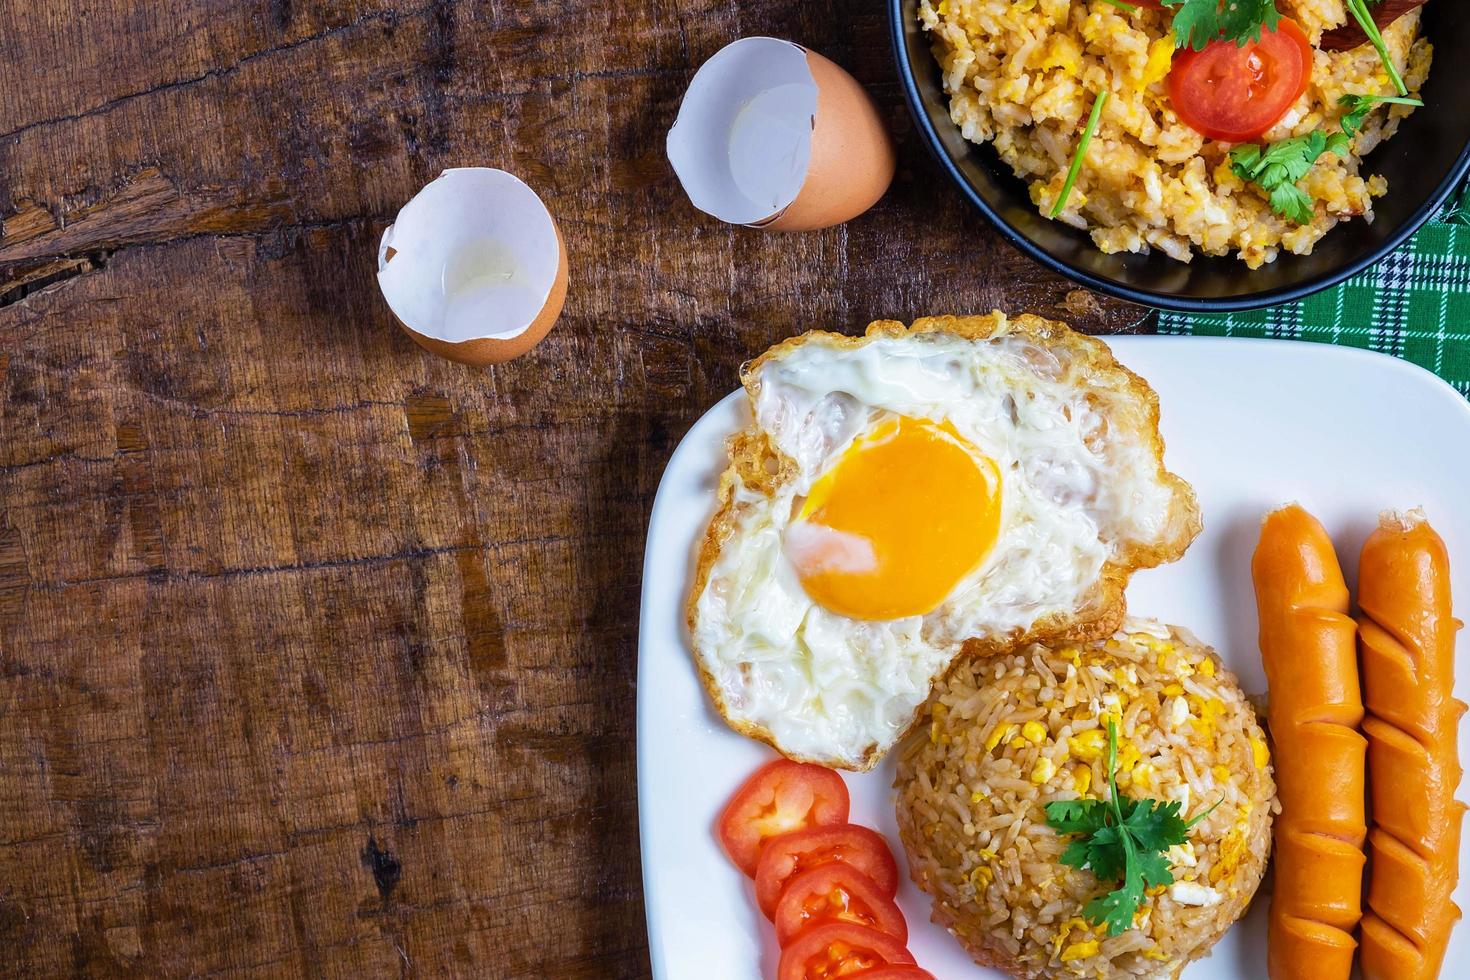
(474,267)
(772,135)
(485,351)
(852,162)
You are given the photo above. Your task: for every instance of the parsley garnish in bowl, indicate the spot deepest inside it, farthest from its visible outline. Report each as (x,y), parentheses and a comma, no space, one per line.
(1120,838)
(1277,168)
(1198,22)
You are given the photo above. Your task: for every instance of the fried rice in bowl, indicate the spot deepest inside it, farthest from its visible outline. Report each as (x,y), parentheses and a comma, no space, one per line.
(1020,76)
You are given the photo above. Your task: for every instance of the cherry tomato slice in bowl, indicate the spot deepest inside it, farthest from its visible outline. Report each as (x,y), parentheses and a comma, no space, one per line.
(790,854)
(836,892)
(894,973)
(839,949)
(780,797)
(1235,93)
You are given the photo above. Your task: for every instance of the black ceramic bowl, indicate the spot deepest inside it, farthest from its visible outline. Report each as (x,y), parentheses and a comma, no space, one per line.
(1423,163)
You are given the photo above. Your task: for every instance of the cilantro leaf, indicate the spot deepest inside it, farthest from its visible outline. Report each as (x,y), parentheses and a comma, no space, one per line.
(1244,160)
(1358,107)
(1076,856)
(1126,806)
(1076,816)
(1154,870)
(1115,909)
(1198,22)
(1157,826)
(1292,203)
(1107,855)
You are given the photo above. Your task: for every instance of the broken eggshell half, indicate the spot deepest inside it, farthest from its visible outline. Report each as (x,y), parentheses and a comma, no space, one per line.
(775,136)
(474,266)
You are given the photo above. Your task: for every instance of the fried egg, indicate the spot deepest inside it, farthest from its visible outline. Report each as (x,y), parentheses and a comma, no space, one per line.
(962,484)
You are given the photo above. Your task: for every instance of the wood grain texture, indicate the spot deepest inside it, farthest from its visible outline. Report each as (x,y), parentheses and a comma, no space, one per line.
(316,652)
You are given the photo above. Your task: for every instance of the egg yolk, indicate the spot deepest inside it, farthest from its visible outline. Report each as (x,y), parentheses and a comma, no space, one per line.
(906,513)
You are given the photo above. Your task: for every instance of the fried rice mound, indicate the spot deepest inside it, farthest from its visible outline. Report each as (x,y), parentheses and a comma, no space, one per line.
(1006,735)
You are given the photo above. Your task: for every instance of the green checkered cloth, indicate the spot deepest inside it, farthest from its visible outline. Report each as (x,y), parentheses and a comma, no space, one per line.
(1414,304)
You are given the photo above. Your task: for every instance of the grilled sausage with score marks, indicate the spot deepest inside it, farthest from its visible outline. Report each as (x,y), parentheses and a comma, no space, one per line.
(1407,638)
(1315,707)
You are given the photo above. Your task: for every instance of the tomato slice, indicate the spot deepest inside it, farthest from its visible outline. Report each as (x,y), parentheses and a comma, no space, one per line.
(790,854)
(780,797)
(836,892)
(894,973)
(1237,93)
(839,949)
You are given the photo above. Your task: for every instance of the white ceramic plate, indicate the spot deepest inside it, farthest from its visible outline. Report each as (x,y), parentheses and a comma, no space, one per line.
(1251,424)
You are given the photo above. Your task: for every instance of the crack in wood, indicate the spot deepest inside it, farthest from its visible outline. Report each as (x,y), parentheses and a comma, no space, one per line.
(170,575)
(52,273)
(60,459)
(219,71)
(114,248)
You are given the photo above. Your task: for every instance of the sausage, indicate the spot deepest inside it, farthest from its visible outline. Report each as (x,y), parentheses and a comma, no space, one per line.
(1350,35)
(1308,650)
(1407,638)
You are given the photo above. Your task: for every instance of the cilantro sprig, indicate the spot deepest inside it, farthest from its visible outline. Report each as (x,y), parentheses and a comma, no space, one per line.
(1198,22)
(1120,839)
(1359,10)
(1080,152)
(1277,168)
(1358,107)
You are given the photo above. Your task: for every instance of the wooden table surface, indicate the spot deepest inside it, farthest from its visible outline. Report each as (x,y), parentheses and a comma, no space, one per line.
(317,653)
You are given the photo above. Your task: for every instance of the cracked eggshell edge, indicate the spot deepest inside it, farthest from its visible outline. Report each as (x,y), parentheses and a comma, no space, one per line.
(850,156)
(484,351)
(853,159)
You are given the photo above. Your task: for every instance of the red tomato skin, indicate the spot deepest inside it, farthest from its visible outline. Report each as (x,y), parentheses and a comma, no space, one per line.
(785,856)
(893,973)
(1195,80)
(878,910)
(739,827)
(870,944)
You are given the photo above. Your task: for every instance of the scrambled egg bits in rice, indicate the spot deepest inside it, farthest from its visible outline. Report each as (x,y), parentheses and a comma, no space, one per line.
(1006,735)
(1023,75)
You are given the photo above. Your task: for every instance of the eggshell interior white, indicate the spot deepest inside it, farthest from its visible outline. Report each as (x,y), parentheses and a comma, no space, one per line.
(743,140)
(474,254)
